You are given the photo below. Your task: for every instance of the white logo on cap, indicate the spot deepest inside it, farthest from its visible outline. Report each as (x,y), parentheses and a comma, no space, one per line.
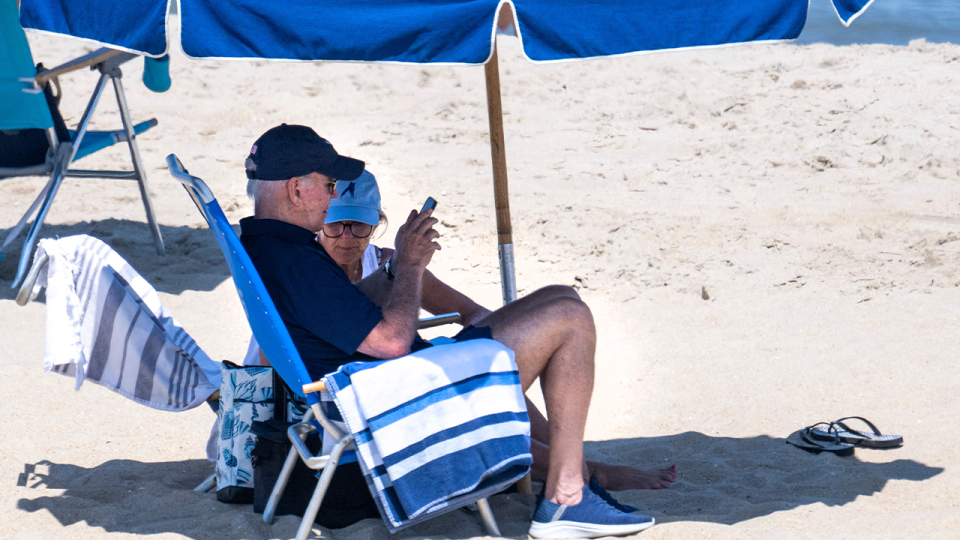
(254,149)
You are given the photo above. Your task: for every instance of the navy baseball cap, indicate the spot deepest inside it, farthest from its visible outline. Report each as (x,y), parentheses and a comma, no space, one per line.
(287,151)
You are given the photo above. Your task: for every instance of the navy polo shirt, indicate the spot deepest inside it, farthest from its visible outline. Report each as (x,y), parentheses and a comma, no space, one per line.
(327,316)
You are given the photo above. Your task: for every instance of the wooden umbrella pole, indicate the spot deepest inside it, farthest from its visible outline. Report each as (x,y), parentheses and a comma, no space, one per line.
(501,193)
(501,197)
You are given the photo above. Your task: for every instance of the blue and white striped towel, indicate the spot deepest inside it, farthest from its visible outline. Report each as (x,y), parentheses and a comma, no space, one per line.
(435,430)
(106,324)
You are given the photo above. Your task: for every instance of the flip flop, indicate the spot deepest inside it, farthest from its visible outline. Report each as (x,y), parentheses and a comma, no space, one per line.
(872,439)
(802,439)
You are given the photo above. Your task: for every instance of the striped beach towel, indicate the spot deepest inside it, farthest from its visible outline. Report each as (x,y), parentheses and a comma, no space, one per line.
(435,430)
(106,324)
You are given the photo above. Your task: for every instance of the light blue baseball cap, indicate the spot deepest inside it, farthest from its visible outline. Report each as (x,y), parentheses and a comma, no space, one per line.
(357,200)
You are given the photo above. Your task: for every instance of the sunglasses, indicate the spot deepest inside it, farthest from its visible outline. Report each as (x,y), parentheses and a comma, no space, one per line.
(357,229)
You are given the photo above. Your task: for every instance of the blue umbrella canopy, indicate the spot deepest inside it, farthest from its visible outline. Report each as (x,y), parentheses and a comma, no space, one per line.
(423,31)
(460,32)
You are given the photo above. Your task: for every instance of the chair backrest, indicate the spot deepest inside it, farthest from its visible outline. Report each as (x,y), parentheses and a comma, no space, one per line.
(268,328)
(22,104)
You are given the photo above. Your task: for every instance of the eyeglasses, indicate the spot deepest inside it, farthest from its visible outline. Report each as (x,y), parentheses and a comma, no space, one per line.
(331,185)
(357,229)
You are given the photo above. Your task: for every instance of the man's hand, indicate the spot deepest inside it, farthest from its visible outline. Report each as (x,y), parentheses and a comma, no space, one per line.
(415,243)
(415,240)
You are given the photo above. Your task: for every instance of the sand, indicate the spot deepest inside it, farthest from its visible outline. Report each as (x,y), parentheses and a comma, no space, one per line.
(809,192)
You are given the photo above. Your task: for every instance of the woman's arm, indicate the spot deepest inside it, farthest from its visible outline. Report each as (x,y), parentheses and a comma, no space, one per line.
(438,297)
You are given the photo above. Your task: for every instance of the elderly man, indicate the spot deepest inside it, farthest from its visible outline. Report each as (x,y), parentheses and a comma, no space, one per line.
(333,322)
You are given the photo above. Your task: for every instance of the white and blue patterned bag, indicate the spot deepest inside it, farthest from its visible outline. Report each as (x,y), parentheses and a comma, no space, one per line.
(246,396)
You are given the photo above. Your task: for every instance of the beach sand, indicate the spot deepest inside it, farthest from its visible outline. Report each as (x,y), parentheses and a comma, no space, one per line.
(810,192)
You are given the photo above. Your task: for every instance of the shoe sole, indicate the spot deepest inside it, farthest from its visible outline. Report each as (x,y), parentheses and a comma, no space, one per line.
(575,529)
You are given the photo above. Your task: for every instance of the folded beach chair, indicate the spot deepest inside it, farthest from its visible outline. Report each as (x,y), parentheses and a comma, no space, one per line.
(105,324)
(278,347)
(34,140)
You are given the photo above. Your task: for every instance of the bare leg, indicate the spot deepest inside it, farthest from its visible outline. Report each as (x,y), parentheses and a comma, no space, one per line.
(554,338)
(611,477)
(528,304)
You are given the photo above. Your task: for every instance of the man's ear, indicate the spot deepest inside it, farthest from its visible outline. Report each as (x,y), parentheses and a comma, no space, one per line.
(294,191)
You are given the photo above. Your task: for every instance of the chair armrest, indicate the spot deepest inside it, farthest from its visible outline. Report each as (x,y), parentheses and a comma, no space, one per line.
(429,322)
(318,386)
(439,320)
(96,57)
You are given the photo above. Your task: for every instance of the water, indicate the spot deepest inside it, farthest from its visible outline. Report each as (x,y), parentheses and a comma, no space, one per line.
(893,22)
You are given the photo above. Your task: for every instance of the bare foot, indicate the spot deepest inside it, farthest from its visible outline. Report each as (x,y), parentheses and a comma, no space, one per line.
(620,478)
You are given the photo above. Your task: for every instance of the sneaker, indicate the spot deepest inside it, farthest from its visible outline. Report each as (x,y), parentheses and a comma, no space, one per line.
(591,518)
(608,498)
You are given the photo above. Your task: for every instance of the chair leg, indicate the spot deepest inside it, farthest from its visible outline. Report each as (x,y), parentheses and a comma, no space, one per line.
(207,484)
(314,506)
(65,153)
(18,228)
(138,164)
(328,470)
(487,516)
(281,484)
(59,170)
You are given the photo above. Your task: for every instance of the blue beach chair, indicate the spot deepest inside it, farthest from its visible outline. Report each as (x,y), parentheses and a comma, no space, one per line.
(34,140)
(278,347)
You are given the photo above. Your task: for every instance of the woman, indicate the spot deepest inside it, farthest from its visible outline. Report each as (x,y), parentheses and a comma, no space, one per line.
(352,220)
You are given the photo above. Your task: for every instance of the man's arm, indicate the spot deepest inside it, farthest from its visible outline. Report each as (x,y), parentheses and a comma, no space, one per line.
(415,243)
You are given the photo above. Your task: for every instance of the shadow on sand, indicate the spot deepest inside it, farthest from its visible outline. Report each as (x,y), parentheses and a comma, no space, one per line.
(193,261)
(721,480)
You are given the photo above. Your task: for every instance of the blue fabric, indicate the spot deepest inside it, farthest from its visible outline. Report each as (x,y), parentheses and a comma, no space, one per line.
(561,30)
(326,315)
(366,30)
(156,73)
(849,9)
(138,25)
(94,141)
(18,109)
(423,31)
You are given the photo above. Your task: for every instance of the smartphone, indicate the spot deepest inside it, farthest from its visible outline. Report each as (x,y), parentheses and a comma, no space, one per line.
(429,205)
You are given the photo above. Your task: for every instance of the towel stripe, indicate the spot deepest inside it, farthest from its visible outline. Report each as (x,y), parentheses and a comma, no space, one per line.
(148,364)
(101,345)
(444,393)
(505,419)
(471,442)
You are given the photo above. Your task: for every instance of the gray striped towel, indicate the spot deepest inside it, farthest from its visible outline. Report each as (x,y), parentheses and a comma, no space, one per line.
(106,324)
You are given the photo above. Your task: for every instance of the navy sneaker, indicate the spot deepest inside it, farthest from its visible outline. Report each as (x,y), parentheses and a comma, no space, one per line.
(591,518)
(608,498)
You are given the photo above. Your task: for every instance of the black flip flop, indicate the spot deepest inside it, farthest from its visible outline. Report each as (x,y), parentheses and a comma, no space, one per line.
(872,439)
(802,439)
